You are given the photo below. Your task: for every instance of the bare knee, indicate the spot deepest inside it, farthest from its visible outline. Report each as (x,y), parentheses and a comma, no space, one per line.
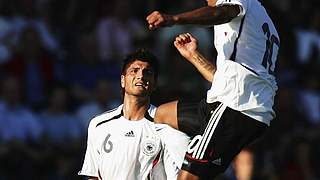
(167,114)
(244,164)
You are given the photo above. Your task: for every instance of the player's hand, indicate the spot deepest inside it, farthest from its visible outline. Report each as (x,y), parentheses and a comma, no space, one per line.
(186,44)
(157,19)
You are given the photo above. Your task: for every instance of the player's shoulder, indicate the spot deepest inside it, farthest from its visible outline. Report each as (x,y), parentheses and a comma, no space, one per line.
(152,110)
(150,113)
(165,129)
(106,117)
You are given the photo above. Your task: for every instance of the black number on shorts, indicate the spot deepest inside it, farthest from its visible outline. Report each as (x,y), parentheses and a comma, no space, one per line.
(107,145)
(271,40)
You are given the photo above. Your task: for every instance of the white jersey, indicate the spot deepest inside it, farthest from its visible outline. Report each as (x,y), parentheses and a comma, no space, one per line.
(247,49)
(120,149)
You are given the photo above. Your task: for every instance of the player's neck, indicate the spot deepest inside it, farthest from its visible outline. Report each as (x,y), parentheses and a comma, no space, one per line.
(134,109)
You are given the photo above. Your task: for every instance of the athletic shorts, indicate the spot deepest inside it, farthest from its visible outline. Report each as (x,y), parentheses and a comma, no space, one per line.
(218,135)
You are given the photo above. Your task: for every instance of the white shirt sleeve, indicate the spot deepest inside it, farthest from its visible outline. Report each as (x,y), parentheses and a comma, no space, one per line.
(244,4)
(90,164)
(158,170)
(175,145)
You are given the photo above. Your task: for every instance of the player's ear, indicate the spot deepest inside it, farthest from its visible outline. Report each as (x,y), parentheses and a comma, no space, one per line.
(122,81)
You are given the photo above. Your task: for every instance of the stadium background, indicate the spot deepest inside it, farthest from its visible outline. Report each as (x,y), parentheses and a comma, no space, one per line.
(60,62)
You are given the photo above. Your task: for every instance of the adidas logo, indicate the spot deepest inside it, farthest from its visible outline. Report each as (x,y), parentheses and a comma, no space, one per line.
(217,162)
(129,134)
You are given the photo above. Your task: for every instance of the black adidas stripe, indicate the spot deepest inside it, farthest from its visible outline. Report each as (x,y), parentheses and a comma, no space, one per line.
(147,116)
(114,117)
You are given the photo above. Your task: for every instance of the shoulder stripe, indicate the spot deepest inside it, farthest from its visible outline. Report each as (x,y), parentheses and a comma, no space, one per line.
(114,117)
(159,129)
(109,111)
(234,53)
(147,116)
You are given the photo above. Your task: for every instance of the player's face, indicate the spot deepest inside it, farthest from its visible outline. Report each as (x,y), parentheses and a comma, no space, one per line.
(139,79)
(211,2)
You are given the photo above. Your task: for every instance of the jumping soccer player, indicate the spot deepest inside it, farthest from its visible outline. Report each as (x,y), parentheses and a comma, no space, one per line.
(238,107)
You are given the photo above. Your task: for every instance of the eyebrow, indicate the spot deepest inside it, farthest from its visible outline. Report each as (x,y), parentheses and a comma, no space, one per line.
(147,68)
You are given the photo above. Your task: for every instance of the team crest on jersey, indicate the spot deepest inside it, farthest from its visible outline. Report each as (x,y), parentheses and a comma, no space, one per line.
(149,147)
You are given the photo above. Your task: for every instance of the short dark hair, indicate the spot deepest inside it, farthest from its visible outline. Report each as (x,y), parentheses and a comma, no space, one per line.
(143,55)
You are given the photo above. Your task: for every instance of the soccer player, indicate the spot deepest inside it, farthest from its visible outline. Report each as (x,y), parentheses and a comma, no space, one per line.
(238,107)
(124,143)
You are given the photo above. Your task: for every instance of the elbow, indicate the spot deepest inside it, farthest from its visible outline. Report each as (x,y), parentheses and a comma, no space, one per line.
(226,13)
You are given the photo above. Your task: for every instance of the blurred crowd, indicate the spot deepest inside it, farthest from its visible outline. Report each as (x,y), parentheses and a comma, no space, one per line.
(60,66)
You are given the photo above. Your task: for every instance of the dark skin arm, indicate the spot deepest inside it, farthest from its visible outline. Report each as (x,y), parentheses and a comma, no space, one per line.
(209,15)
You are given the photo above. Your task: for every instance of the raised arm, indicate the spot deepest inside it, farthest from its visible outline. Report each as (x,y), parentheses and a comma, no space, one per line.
(187,46)
(208,15)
